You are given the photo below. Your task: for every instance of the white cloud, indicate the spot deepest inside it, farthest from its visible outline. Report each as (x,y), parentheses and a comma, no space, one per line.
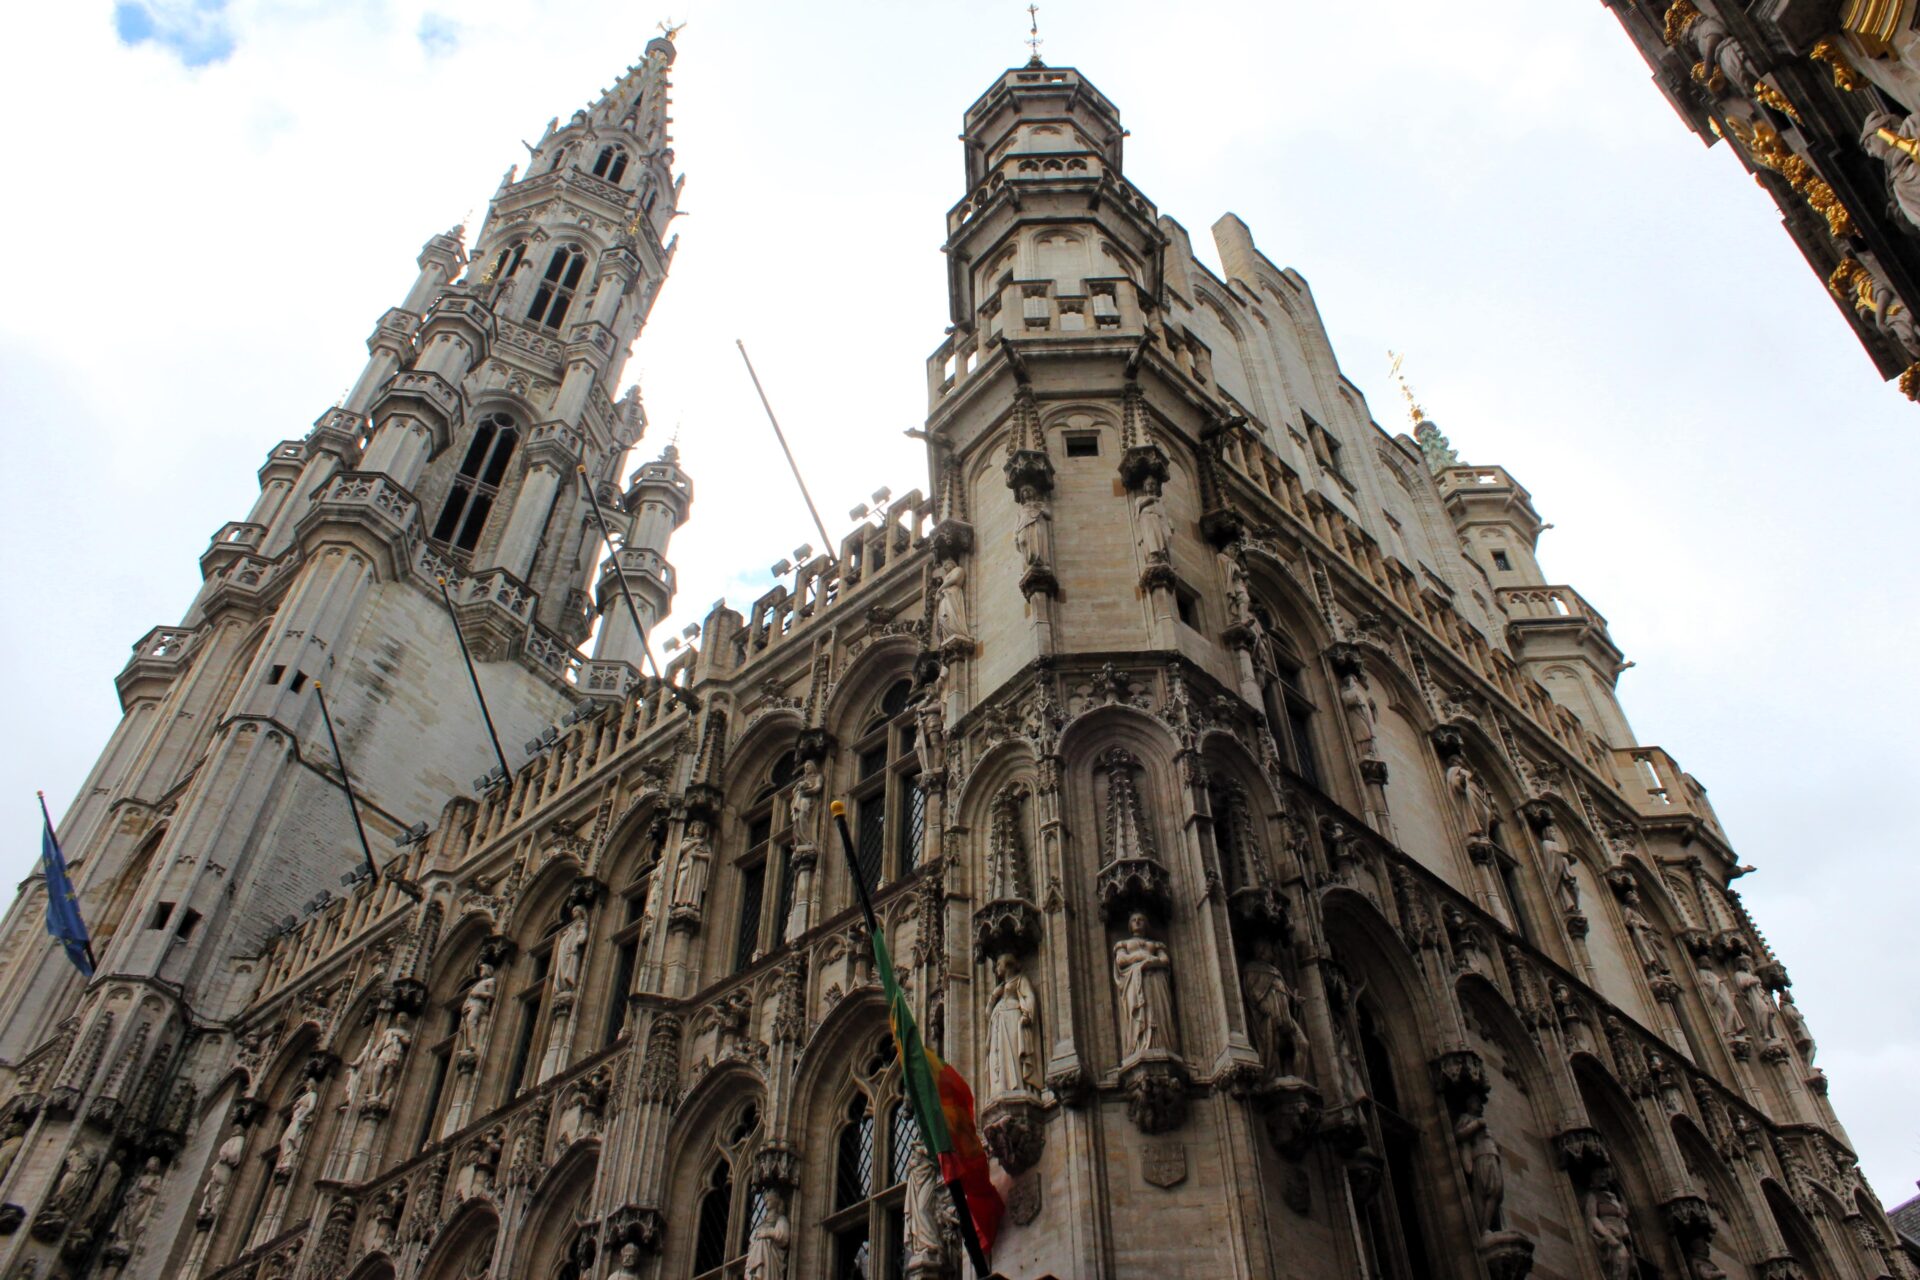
(196,252)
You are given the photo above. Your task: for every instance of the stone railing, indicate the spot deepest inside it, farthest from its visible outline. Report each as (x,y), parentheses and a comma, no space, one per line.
(1555,603)
(327,932)
(1657,787)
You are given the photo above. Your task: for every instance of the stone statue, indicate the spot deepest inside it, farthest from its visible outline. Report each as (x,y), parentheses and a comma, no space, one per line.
(1273,1011)
(1718,998)
(473,1011)
(628,1267)
(12,1134)
(696,864)
(1476,804)
(950,604)
(71,1184)
(1897,154)
(1353,1084)
(1012,1037)
(388,1058)
(1033,531)
(225,1161)
(929,1209)
(570,951)
(1607,1224)
(138,1206)
(1753,993)
(1790,1018)
(767,1246)
(1361,716)
(806,797)
(1143,970)
(1559,859)
(1151,526)
(299,1120)
(1648,945)
(1233,571)
(1720,52)
(1481,1156)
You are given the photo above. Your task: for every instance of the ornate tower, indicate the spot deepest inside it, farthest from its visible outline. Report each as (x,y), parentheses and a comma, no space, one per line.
(215,819)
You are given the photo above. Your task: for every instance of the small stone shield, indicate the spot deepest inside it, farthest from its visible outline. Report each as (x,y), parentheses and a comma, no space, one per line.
(1164,1164)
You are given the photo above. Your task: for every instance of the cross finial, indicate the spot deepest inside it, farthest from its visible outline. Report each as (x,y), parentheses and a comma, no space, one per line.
(669,28)
(1033,34)
(1414,410)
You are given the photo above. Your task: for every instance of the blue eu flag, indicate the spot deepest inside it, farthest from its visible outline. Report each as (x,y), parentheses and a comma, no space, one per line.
(63,904)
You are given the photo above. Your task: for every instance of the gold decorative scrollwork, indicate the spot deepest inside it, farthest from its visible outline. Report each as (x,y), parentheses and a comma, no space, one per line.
(1766,149)
(1767,95)
(1680,15)
(1844,75)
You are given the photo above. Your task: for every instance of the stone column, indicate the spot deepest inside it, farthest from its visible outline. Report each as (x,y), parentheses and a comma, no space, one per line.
(531,507)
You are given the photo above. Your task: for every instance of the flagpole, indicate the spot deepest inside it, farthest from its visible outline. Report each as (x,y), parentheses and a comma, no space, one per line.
(346,779)
(680,695)
(975,1253)
(466,655)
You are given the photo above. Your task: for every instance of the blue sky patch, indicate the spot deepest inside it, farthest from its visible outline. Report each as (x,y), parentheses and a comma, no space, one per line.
(195,31)
(439,34)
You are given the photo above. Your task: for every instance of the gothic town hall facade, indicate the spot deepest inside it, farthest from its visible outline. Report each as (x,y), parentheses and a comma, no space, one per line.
(1255,825)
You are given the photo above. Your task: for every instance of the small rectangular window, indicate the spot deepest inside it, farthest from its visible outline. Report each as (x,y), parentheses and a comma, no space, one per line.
(188,919)
(162,912)
(753,888)
(298,682)
(1501,562)
(273,676)
(1082,444)
(1186,604)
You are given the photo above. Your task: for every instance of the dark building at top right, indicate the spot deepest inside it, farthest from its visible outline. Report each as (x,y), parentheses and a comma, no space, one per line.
(1819,99)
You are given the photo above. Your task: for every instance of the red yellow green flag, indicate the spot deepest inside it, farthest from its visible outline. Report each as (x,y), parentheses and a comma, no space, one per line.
(943,1104)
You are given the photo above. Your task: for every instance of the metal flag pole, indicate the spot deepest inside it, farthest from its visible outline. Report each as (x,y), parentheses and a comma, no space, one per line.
(968,1237)
(467,656)
(682,696)
(346,779)
(826,539)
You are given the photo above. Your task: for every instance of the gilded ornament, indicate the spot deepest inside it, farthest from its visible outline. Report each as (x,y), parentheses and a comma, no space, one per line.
(1766,149)
(1680,15)
(1767,95)
(1844,76)
(1910,381)
(1712,79)
(1899,142)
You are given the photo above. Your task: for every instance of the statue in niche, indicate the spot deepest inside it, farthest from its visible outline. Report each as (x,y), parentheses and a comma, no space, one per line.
(1275,1013)
(1566,882)
(299,1120)
(1607,1224)
(473,1011)
(225,1161)
(806,797)
(138,1206)
(1033,530)
(570,951)
(12,1134)
(1152,528)
(1790,1017)
(696,864)
(950,604)
(70,1185)
(628,1266)
(1898,154)
(1233,571)
(767,1246)
(929,1209)
(1143,970)
(388,1058)
(1012,1031)
(1362,717)
(1648,945)
(1481,1157)
(1353,1083)
(1476,802)
(1753,993)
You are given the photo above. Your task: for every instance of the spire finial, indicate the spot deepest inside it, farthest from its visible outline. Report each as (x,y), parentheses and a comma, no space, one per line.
(1033,35)
(1434,445)
(669,28)
(1414,410)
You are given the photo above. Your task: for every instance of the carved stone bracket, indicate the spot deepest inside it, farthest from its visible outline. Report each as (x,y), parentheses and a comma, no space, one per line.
(498,950)
(776,1164)
(1014,1133)
(1143,462)
(1029,469)
(1373,772)
(952,539)
(702,801)
(1039,580)
(1129,884)
(1292,1109)
(1508,1254)
(1005,926)
(404,995)
(1260,911)
(11,1216)
(1072,1086)
(1688,1218)
(642,1226)
(1156,1090)
(1620,879)
(585,891)
(1581,1152)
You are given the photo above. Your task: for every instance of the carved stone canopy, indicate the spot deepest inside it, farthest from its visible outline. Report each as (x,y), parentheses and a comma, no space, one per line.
(1030,469)
(1143,462)
(1005,926)
(1462,1076)
(1581,1152)
(813,744)
(642,1226)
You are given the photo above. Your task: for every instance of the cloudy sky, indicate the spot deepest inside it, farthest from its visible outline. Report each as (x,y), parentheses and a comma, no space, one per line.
(215,199)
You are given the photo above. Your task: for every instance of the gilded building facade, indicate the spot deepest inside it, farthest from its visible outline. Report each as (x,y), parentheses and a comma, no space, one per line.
(1254,823)
(1818,99)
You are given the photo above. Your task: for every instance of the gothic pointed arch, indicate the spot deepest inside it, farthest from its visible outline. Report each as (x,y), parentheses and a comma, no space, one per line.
(465,1247)
(552,1242)
(1631,1171)
(719,1130)
(1735,1237)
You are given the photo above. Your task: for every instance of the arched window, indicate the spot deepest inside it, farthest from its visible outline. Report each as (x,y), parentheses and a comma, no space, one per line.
(530,1004)
(610,164)
(1507,867)
(559,159)
(505,261)
(1390,1212)
(725,1216)
(768,859)
(555,294)
(464,515)
(626,914)
(1289,709)
(866,1226)
(890,808)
